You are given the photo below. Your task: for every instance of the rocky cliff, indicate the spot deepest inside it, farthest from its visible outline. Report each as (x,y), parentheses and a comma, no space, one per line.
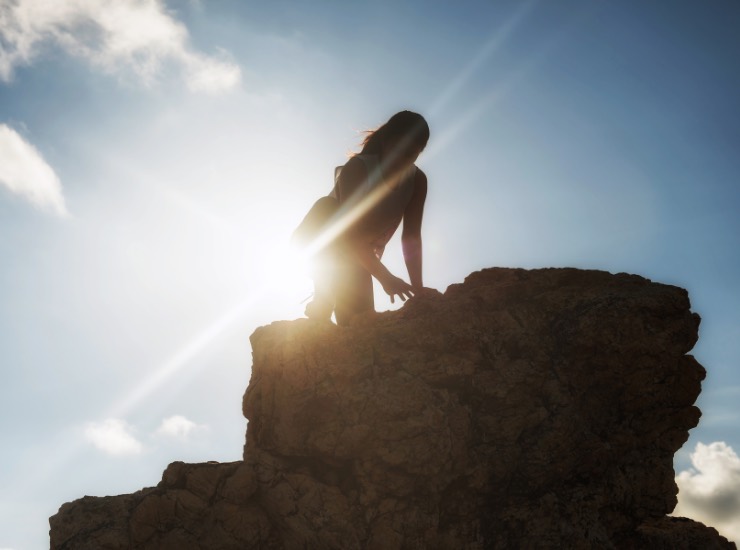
(521,409)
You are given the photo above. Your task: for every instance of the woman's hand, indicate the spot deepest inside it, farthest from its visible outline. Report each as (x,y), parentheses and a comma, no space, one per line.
(395,286)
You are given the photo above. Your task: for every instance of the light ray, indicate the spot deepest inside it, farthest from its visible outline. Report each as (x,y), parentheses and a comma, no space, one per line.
(477,109)
(202,340)
(489,48)
(181,358)
(347,216)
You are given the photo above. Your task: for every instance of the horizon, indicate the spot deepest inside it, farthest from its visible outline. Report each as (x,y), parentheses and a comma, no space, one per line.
(156,156)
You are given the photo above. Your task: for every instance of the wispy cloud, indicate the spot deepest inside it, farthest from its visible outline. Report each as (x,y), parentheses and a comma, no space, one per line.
(141,36)
(113,436)
(710,491)
(24,172)
(177,427)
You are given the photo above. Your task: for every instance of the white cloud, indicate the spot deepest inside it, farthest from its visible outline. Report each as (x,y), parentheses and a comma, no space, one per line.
(203,75)
(114,35)
(710,491)
(177,427)
(113,436)
(24,172)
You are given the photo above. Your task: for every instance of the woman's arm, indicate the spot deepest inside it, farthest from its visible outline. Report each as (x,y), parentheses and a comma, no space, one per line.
(411,236)
(392,285)
(351,178)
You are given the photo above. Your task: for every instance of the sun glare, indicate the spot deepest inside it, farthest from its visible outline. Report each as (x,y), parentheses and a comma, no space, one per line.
(281,266)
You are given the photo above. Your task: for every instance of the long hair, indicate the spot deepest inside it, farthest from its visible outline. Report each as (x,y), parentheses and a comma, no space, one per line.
(405,128)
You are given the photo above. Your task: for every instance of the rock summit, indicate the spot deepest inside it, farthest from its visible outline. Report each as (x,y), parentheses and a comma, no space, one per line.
(519,409)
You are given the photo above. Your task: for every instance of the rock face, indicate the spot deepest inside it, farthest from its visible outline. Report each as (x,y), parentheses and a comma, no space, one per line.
(521,409)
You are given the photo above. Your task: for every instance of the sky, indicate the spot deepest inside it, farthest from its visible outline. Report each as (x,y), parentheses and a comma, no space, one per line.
(156,155)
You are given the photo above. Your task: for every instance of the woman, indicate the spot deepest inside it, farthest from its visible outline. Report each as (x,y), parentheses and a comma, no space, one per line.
(374,192)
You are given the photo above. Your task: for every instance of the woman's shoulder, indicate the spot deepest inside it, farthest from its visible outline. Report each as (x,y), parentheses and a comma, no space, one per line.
(354,168)
(349,178)
(356,161)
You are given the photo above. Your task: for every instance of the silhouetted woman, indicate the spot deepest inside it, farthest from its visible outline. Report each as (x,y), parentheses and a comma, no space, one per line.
(374,192)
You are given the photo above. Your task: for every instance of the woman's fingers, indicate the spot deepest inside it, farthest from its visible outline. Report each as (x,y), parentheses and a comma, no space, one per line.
(405,295)
(400,288)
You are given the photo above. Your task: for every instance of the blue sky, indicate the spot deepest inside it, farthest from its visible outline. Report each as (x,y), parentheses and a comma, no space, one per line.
(155,156)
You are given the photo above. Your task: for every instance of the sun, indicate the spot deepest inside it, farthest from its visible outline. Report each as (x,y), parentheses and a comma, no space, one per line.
(281,267)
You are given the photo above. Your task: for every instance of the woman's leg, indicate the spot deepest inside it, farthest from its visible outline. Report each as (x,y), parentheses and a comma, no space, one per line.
(353,290)
(341,285)
(323,262)
(323,271)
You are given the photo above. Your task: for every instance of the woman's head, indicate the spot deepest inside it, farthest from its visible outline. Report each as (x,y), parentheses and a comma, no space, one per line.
(400,139)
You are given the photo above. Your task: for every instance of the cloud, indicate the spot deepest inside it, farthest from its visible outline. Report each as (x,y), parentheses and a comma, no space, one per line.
(24,172)
(114,35)
(177,427)
(710,491)
(113,436)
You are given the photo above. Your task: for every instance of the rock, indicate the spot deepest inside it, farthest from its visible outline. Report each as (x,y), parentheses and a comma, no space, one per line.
(521,409)
(669,533)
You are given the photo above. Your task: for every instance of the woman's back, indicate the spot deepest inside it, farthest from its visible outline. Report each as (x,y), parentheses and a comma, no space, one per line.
(376,201)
